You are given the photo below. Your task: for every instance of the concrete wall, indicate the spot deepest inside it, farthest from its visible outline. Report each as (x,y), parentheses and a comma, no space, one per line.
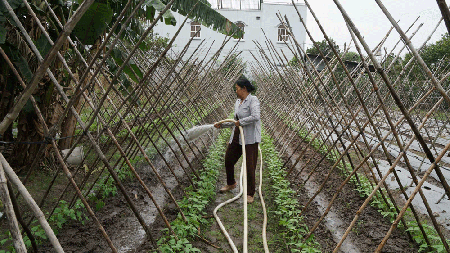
(267,22)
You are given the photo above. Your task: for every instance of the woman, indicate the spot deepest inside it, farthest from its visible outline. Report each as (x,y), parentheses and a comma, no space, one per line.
(247,115)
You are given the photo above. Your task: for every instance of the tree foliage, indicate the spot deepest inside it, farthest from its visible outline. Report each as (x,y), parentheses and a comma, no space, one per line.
(351,56)
(439,51)
(90,30)
(324,47)
(435,55)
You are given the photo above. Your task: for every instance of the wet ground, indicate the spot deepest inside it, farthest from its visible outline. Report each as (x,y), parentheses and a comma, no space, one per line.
(128,236)
(436,135)
(119,221)
(371,226)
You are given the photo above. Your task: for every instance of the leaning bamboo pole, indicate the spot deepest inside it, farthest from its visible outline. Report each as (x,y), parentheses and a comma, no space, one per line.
(437,85)
(405,113)
(10,214)
(61,161)
(336,111)
(31,203)
(377,133)
(40,72)
(385,103)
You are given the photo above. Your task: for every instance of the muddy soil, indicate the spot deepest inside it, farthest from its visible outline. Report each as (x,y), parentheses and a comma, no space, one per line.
(117,218)
(370,227)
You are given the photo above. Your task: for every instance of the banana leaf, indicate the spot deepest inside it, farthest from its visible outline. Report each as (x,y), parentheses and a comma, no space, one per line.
(2,34)
(43,45)
(152,5)
(202,12)
(93,23)
(131,69)
(19,61)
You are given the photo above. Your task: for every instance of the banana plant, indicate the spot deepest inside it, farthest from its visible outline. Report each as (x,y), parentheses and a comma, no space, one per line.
(89,31)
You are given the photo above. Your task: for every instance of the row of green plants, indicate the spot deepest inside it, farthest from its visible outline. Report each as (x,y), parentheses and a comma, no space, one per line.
(62,214)
(195,202)
(105,188)
(287,207)
(365,186)
(184,115)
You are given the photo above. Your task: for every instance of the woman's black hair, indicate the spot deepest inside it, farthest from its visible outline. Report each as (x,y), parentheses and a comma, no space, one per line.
(243,82)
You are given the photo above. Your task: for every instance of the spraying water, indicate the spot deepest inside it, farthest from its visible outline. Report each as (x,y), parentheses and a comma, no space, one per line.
(195,132)
(198,131)
(192,133)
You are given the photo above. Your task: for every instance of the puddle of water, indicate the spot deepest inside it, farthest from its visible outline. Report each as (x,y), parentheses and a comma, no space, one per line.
(132,235)
(432,194)
(332,221)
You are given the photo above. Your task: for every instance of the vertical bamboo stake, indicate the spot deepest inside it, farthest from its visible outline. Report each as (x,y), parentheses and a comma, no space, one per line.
(32,204)
(11,216)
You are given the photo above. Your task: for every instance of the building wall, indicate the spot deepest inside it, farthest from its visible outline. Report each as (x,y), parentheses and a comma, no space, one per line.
(268,21)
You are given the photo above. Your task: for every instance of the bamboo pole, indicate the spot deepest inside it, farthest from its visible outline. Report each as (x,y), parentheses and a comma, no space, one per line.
(11,216)
(32,204)
(23,98)
(434,81)
(397,100)
(376,130)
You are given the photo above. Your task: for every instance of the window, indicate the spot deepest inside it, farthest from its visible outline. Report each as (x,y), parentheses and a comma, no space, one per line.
(195,29)
(241,26)
(282,33)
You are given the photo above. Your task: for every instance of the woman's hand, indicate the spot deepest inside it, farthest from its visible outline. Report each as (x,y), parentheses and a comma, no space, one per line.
(237,123)
(217,125)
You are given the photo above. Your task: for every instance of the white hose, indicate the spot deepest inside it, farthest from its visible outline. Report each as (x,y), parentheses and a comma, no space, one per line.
(224,231)
(263,204)
(243,191)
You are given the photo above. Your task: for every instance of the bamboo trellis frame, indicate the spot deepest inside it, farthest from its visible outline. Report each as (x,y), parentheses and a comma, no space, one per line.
(166,112)
(355,118)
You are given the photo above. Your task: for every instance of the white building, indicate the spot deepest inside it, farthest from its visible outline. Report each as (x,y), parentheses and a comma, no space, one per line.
(251,15)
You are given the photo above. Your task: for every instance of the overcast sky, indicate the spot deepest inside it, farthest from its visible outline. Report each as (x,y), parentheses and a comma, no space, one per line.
(371,21)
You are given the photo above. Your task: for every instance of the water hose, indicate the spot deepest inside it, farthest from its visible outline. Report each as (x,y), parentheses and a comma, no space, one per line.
(263,204)
(243,191)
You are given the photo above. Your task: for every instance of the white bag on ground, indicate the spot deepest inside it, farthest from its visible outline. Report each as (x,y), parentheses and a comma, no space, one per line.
(76,157)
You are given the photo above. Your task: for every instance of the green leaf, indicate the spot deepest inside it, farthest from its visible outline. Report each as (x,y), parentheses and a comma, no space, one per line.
(13,3)
(159,6)
(43,45)
(150,13)
(20,62)
(202,12)
(131,69)
(2,34)
(93,23)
